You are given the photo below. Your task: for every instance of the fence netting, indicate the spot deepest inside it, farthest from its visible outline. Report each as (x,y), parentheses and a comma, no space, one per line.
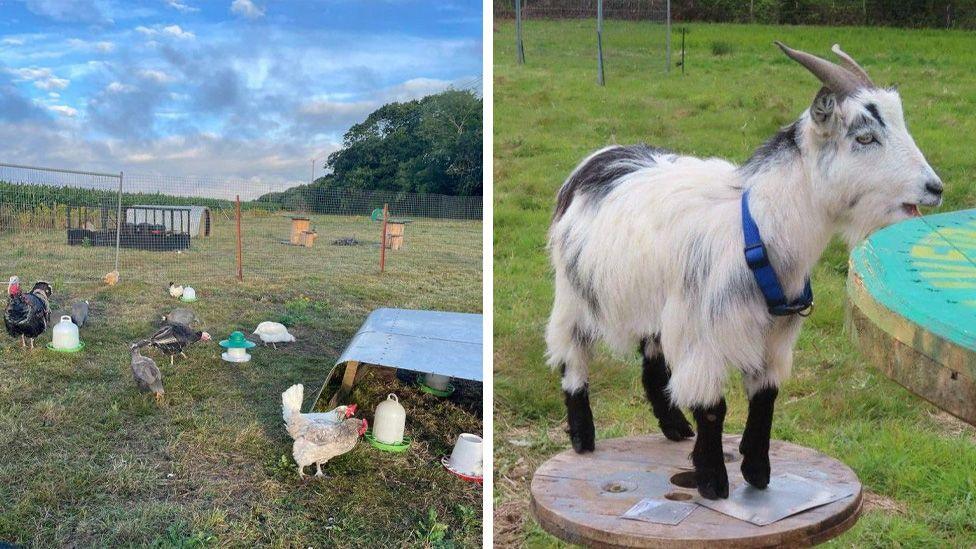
(634,36)
(63,226)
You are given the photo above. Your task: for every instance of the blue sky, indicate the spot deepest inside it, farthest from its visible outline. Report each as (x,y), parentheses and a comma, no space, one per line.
(239,88)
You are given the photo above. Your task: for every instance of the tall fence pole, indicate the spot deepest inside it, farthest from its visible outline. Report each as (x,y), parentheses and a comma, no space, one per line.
(599,43)
(667,39)
(519,48)
(386,211)
(240,245)
(118,224)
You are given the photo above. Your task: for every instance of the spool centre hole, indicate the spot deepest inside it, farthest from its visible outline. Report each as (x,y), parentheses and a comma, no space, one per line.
(685,479)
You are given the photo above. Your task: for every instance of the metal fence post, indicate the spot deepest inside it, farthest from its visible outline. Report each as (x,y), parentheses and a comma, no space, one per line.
(667,38)
(240,244)
(519,48)
(118,225)
(599,43)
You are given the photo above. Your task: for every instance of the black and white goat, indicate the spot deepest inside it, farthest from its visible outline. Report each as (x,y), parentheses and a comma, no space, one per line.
(647,247)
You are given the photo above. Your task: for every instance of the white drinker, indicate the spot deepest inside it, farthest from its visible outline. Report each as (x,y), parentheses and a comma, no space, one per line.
(436,381)
(467,456)
(65,335)
(189,294)
(389,421)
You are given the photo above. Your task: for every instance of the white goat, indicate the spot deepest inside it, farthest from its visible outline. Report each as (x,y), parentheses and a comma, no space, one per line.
(647,248)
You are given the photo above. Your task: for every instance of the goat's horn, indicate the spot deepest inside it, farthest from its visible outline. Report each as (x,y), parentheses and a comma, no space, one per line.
(850,64)
(836,78)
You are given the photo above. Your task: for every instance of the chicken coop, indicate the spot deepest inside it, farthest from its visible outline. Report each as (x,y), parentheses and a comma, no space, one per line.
(152,228)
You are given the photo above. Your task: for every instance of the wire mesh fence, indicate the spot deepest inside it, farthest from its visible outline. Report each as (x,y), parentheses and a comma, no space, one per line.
(63,226)
(620,36)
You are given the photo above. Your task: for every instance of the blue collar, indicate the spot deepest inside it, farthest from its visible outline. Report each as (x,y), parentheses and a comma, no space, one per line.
(758,261)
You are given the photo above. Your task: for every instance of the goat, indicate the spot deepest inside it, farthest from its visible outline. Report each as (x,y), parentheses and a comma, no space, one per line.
(647,250)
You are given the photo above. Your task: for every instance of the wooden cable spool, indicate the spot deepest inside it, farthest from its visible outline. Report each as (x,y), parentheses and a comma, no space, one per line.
(912,289)
(580,497)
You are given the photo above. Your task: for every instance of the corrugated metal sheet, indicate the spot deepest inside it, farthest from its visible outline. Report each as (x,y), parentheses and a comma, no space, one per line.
(435,342)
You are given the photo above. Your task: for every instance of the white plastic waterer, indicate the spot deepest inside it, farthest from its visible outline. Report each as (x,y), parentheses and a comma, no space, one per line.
(189,294)
(65,335)
(389,421)
(436,381)
(467,457)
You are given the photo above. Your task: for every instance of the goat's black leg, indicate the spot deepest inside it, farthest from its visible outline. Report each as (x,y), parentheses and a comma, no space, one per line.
(709,461)
(580,417)
(754,446)
(655,378)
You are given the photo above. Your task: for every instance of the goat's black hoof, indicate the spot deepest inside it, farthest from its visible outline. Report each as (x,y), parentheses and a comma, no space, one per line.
(713,483)
(756,471)
(583,442)
(676,427)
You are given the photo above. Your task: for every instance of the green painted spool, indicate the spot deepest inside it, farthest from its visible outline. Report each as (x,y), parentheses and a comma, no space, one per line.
(912,289)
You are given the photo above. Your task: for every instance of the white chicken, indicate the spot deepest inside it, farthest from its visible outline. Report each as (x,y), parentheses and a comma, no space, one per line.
(319,437)
(318,443)
(296,421)
(273,333)
(175,291)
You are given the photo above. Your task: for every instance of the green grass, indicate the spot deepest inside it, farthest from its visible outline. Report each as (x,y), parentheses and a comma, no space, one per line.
(916,463)
(88,461)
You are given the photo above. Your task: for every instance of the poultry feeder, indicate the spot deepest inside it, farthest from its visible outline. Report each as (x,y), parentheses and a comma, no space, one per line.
(437,385)
(389,422)
(189,295)
(237,346)
(65,338)
(466,461)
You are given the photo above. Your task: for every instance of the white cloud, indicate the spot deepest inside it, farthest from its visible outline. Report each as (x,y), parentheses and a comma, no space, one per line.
(101,47)
(12,41)
(246,8)
(157,76)
(174,31)
(43,78)
(181,7)
(54,95)
(118,87)
(64,110)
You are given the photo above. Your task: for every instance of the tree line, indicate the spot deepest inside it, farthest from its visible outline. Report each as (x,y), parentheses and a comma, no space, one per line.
(426,146)
(959,14)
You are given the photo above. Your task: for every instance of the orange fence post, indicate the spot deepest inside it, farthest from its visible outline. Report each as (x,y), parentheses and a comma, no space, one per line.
(383,240)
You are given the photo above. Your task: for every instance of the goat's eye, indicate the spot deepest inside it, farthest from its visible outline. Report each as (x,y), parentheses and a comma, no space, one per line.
(866,138)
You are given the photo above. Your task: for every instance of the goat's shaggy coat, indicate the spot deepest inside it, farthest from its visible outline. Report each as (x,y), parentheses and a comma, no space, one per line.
(647,248)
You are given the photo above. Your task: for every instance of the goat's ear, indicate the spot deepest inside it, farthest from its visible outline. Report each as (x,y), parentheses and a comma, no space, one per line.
(824,108)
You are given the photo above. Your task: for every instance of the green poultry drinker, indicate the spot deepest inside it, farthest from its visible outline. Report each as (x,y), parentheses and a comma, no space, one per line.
(237,346)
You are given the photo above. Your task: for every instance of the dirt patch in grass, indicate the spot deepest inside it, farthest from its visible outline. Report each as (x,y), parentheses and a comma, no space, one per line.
(883,504)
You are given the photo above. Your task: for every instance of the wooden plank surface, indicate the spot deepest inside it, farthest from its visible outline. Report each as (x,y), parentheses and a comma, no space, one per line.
(912,289)
(580,498)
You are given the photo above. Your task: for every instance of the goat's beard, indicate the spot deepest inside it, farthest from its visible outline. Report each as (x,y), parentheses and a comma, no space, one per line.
(861,226)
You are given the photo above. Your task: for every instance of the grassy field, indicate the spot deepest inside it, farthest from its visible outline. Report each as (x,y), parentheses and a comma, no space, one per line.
(88,461)
(916,463)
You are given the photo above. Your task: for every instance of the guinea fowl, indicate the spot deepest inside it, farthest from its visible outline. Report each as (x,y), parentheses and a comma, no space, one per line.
(185,317)
(27,315)
(147,374)
(173,339)
(79,313)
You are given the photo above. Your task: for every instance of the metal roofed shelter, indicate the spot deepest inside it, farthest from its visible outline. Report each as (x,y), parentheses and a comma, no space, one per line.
(195,220)
(436,342)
